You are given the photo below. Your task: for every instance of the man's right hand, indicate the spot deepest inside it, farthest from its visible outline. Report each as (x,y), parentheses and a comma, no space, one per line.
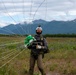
(38,47)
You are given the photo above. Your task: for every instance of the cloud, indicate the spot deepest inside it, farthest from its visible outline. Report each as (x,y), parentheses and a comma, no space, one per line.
(3,23)
(23,10)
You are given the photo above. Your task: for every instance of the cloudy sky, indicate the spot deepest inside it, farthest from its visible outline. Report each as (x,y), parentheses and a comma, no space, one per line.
(18,11)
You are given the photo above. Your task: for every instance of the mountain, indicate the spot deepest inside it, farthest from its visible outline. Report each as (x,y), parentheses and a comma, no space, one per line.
(40,21)
(51,27)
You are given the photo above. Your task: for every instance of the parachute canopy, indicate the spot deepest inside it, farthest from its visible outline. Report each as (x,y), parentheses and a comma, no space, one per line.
(28,40)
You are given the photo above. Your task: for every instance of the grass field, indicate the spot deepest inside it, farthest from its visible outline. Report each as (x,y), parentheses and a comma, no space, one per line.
(60,61)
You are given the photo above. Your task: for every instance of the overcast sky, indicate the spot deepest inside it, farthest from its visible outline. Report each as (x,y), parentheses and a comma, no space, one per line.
(18,11)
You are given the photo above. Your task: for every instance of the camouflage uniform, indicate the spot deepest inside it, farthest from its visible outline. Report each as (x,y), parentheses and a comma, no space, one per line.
(37,54)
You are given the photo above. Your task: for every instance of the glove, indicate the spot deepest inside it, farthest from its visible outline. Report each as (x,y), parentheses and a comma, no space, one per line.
(38,47)
(31,41)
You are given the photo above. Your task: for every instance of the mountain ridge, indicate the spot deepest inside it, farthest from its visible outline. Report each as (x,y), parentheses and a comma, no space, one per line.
(49,27)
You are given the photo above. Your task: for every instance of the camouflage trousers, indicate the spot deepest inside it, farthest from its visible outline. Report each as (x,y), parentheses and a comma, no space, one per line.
(33,59)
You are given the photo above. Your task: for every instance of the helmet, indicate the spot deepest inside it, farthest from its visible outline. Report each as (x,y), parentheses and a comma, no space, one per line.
(39,30)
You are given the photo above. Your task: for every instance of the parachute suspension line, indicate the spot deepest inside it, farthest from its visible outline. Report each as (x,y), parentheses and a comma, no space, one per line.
(11,59)
(24,15)
(15,9)
(18,17)
(23,10)
(30,17)
(7,31)
(38,8)
(8,55)
(10,31)
(31,11)
(7,11)
(46,11)
(9,15)
(5,52)
(11,44)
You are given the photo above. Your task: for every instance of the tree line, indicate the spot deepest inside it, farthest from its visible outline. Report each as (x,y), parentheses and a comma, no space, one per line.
(45,35)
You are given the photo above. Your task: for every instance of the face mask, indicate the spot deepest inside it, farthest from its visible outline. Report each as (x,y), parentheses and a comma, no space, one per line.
(39,32)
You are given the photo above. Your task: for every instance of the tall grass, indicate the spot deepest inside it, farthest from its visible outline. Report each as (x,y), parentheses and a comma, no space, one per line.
(61,59)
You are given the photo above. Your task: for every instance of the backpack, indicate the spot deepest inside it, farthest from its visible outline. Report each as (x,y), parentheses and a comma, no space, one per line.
(46,50)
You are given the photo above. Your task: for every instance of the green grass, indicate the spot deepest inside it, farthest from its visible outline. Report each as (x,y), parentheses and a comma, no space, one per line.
(61,59)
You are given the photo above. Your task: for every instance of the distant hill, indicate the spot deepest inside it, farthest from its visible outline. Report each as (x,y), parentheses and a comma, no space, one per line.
(51,27)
